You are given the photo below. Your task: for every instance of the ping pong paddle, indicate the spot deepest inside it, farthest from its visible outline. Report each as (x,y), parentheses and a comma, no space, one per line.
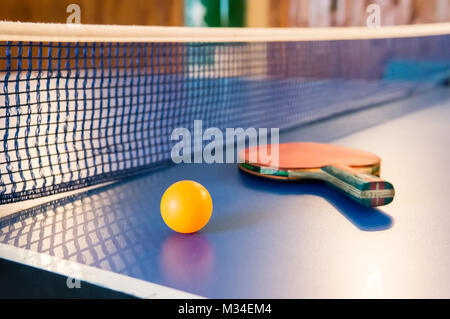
(352,171)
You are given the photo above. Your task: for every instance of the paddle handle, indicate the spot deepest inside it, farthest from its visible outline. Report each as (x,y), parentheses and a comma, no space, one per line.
(369,190)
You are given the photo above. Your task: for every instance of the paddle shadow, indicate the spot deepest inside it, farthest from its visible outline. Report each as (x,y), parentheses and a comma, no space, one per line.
(364,218)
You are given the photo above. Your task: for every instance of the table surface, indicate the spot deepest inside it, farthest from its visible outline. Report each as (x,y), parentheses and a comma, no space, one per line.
(265,239)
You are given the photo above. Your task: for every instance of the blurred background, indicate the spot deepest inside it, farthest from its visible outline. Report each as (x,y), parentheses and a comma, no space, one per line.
(229,13)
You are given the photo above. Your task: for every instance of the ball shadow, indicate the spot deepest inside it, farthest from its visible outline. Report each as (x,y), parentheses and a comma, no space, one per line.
(187,259)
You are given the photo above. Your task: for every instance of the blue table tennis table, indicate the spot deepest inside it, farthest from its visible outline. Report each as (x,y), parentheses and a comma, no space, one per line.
(265,239)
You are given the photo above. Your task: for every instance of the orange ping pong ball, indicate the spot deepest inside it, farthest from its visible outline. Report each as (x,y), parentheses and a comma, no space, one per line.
(186,206)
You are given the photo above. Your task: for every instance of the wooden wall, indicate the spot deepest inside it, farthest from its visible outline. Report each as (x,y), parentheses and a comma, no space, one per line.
(123,12)
(260,13)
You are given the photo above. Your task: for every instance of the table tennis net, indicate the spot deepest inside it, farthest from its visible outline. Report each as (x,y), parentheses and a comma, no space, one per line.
(77,114)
